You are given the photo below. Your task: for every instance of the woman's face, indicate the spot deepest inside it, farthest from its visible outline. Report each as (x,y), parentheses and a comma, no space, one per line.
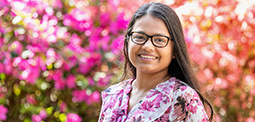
(147,58)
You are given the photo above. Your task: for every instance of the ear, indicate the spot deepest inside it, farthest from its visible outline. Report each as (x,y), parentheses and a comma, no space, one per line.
(174,54)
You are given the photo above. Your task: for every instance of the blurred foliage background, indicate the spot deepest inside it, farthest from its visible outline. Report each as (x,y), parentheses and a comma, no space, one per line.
(56,56)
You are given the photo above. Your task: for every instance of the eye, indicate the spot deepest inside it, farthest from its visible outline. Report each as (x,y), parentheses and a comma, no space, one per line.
(138,37)
(160,39)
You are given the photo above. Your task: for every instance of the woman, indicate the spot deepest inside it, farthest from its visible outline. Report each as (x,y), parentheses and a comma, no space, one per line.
(163,87)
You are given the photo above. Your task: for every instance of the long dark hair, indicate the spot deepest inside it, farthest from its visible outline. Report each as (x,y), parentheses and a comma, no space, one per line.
(180,67)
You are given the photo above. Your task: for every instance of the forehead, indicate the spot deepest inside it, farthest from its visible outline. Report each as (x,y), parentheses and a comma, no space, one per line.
(150,25)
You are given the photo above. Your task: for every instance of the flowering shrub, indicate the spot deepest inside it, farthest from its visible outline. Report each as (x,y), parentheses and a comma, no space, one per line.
(56,56)
(221,42)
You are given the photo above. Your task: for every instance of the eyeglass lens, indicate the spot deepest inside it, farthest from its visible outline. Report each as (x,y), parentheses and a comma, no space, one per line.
(157,40)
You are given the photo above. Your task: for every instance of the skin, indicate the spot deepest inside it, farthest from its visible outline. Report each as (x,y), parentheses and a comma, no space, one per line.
(150,72)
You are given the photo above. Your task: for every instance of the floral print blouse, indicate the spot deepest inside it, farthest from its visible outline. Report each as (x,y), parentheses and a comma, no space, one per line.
(169,101)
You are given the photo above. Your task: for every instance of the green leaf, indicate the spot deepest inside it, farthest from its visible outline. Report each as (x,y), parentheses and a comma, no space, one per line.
(49,110)
(2,76)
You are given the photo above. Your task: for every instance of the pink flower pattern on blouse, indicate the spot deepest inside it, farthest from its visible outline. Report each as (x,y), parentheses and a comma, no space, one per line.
(169,101)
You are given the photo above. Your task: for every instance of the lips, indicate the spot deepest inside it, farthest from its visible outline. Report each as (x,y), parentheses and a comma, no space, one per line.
(147,56)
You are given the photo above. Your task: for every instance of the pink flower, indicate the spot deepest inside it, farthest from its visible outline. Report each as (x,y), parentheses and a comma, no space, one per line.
(84,68)
(95,96)
(118,25)
(208,73)
(91,81)
(233,78)
(31,73)
(117,45)
(87,63)
(105,40)
(60,84)
(75,48)
(75,39)
(4,3)
(7,61)
(104,81)
(250,119)
(1,40)
(79,95)
(57,4)
(113,28)
(3,92)
(70,82)
(67,20)
(71,117)
(34,48)
(80,15)
(3,111)
(105,19)
(188,40)
(43,114)
(72,61)
(94,39)
(63,107)
(52,38)
(75,43)
(252,91)
(41,63)
(121,22)
(31,99)
(1,68)
(16,47)
(78,20)
(51,53)
(114,4)
(49,11)
(36,118)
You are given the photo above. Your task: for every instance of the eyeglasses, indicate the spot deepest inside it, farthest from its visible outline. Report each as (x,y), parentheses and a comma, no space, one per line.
(141,38)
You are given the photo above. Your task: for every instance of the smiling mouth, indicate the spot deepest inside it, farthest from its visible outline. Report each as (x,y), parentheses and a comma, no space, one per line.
(147,56)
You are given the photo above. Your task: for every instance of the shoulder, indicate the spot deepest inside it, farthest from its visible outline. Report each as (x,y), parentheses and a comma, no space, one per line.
(182,89)
(174,87)
(186,96)
(186,99)
(116,88)
(111,99)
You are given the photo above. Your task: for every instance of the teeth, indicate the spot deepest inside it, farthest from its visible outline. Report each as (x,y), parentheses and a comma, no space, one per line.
(149,57)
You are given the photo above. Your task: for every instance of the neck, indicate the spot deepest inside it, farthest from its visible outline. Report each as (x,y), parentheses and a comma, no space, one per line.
(146,81)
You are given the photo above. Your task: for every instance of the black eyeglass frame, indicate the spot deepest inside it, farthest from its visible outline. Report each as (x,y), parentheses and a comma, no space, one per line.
(147,37)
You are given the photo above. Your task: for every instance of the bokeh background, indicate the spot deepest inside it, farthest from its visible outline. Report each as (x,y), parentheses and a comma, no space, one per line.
(56,56)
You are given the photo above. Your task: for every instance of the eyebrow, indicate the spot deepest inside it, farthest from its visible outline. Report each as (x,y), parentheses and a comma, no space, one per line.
(157,34)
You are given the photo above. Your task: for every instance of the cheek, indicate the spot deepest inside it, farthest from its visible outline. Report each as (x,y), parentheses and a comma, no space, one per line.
(128,50)
(167,54)
(168,58)
(171,49)
(131,49)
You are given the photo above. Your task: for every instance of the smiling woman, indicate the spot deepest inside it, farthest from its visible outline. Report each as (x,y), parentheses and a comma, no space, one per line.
(163,86)
(150,60)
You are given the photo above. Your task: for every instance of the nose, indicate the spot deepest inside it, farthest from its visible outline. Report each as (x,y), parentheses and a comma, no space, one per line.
(148,45)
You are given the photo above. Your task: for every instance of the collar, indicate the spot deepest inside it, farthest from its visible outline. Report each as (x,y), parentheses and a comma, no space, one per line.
(167,86)
(164,87)
(116,88)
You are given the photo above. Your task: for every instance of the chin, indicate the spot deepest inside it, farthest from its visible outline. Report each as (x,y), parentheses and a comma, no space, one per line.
(148,70)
